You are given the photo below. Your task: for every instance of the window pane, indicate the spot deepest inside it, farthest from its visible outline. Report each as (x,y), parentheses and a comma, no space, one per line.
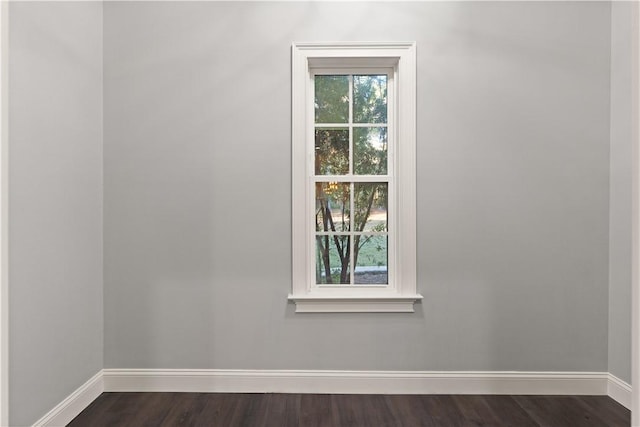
(332,259)
(370,99)
(371,260)
(332,206)
(332,151)
(332,99)
(370,151)
(370,205)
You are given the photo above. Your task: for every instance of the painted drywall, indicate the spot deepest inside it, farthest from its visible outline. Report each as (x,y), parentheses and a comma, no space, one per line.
(620,193)
(513,187)
(55,202)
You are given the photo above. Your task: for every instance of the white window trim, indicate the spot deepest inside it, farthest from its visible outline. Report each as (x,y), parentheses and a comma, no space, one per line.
(401,57)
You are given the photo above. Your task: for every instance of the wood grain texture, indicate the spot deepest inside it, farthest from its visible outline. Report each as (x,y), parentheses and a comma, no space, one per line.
(374,410)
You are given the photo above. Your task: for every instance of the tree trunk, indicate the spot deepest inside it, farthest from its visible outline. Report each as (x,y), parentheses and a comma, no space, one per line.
(344,270)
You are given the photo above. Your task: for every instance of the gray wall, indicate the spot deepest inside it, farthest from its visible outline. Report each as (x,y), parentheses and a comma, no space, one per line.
(55,196)
(513,187)
(620,193)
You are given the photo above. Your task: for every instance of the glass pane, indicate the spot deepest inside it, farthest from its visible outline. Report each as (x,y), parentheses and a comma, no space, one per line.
(370,204)
(370,151)
(332,260)
(332,99)
(371,260)
(370,99)
(332,206)
(332,151)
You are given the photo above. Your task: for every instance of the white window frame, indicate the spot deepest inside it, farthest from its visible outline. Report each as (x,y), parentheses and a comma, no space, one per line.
(401,294)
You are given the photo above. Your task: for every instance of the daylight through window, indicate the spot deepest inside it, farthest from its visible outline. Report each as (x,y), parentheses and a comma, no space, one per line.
(351,178)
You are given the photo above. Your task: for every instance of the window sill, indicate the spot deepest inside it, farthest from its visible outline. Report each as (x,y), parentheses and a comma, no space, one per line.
(355,304)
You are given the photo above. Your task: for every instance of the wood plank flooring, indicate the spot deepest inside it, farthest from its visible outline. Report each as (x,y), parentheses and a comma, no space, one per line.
(316,410)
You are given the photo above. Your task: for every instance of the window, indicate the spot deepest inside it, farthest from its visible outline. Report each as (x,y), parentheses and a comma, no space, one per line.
(354,208)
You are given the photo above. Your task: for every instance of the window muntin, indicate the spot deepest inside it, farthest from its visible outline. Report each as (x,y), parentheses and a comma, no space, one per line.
(351,145)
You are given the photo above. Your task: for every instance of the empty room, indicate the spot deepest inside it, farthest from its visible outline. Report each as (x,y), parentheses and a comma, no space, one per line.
(319,213)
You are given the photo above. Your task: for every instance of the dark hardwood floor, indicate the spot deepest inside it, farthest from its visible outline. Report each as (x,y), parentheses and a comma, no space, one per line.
(282,410)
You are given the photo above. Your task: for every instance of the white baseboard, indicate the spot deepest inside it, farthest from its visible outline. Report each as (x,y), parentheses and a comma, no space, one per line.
(619,391)
(355,382)
(335,382)
(75,403)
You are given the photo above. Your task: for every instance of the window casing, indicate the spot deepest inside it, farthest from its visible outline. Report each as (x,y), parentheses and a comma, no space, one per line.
(353,154)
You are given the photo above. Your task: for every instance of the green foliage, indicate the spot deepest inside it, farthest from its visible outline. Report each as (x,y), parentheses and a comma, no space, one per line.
(332,158)
(369,99)
(370,151)
(332,99)
(332,151)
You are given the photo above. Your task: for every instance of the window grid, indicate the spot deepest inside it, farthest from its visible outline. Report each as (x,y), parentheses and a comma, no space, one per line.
(351,178)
